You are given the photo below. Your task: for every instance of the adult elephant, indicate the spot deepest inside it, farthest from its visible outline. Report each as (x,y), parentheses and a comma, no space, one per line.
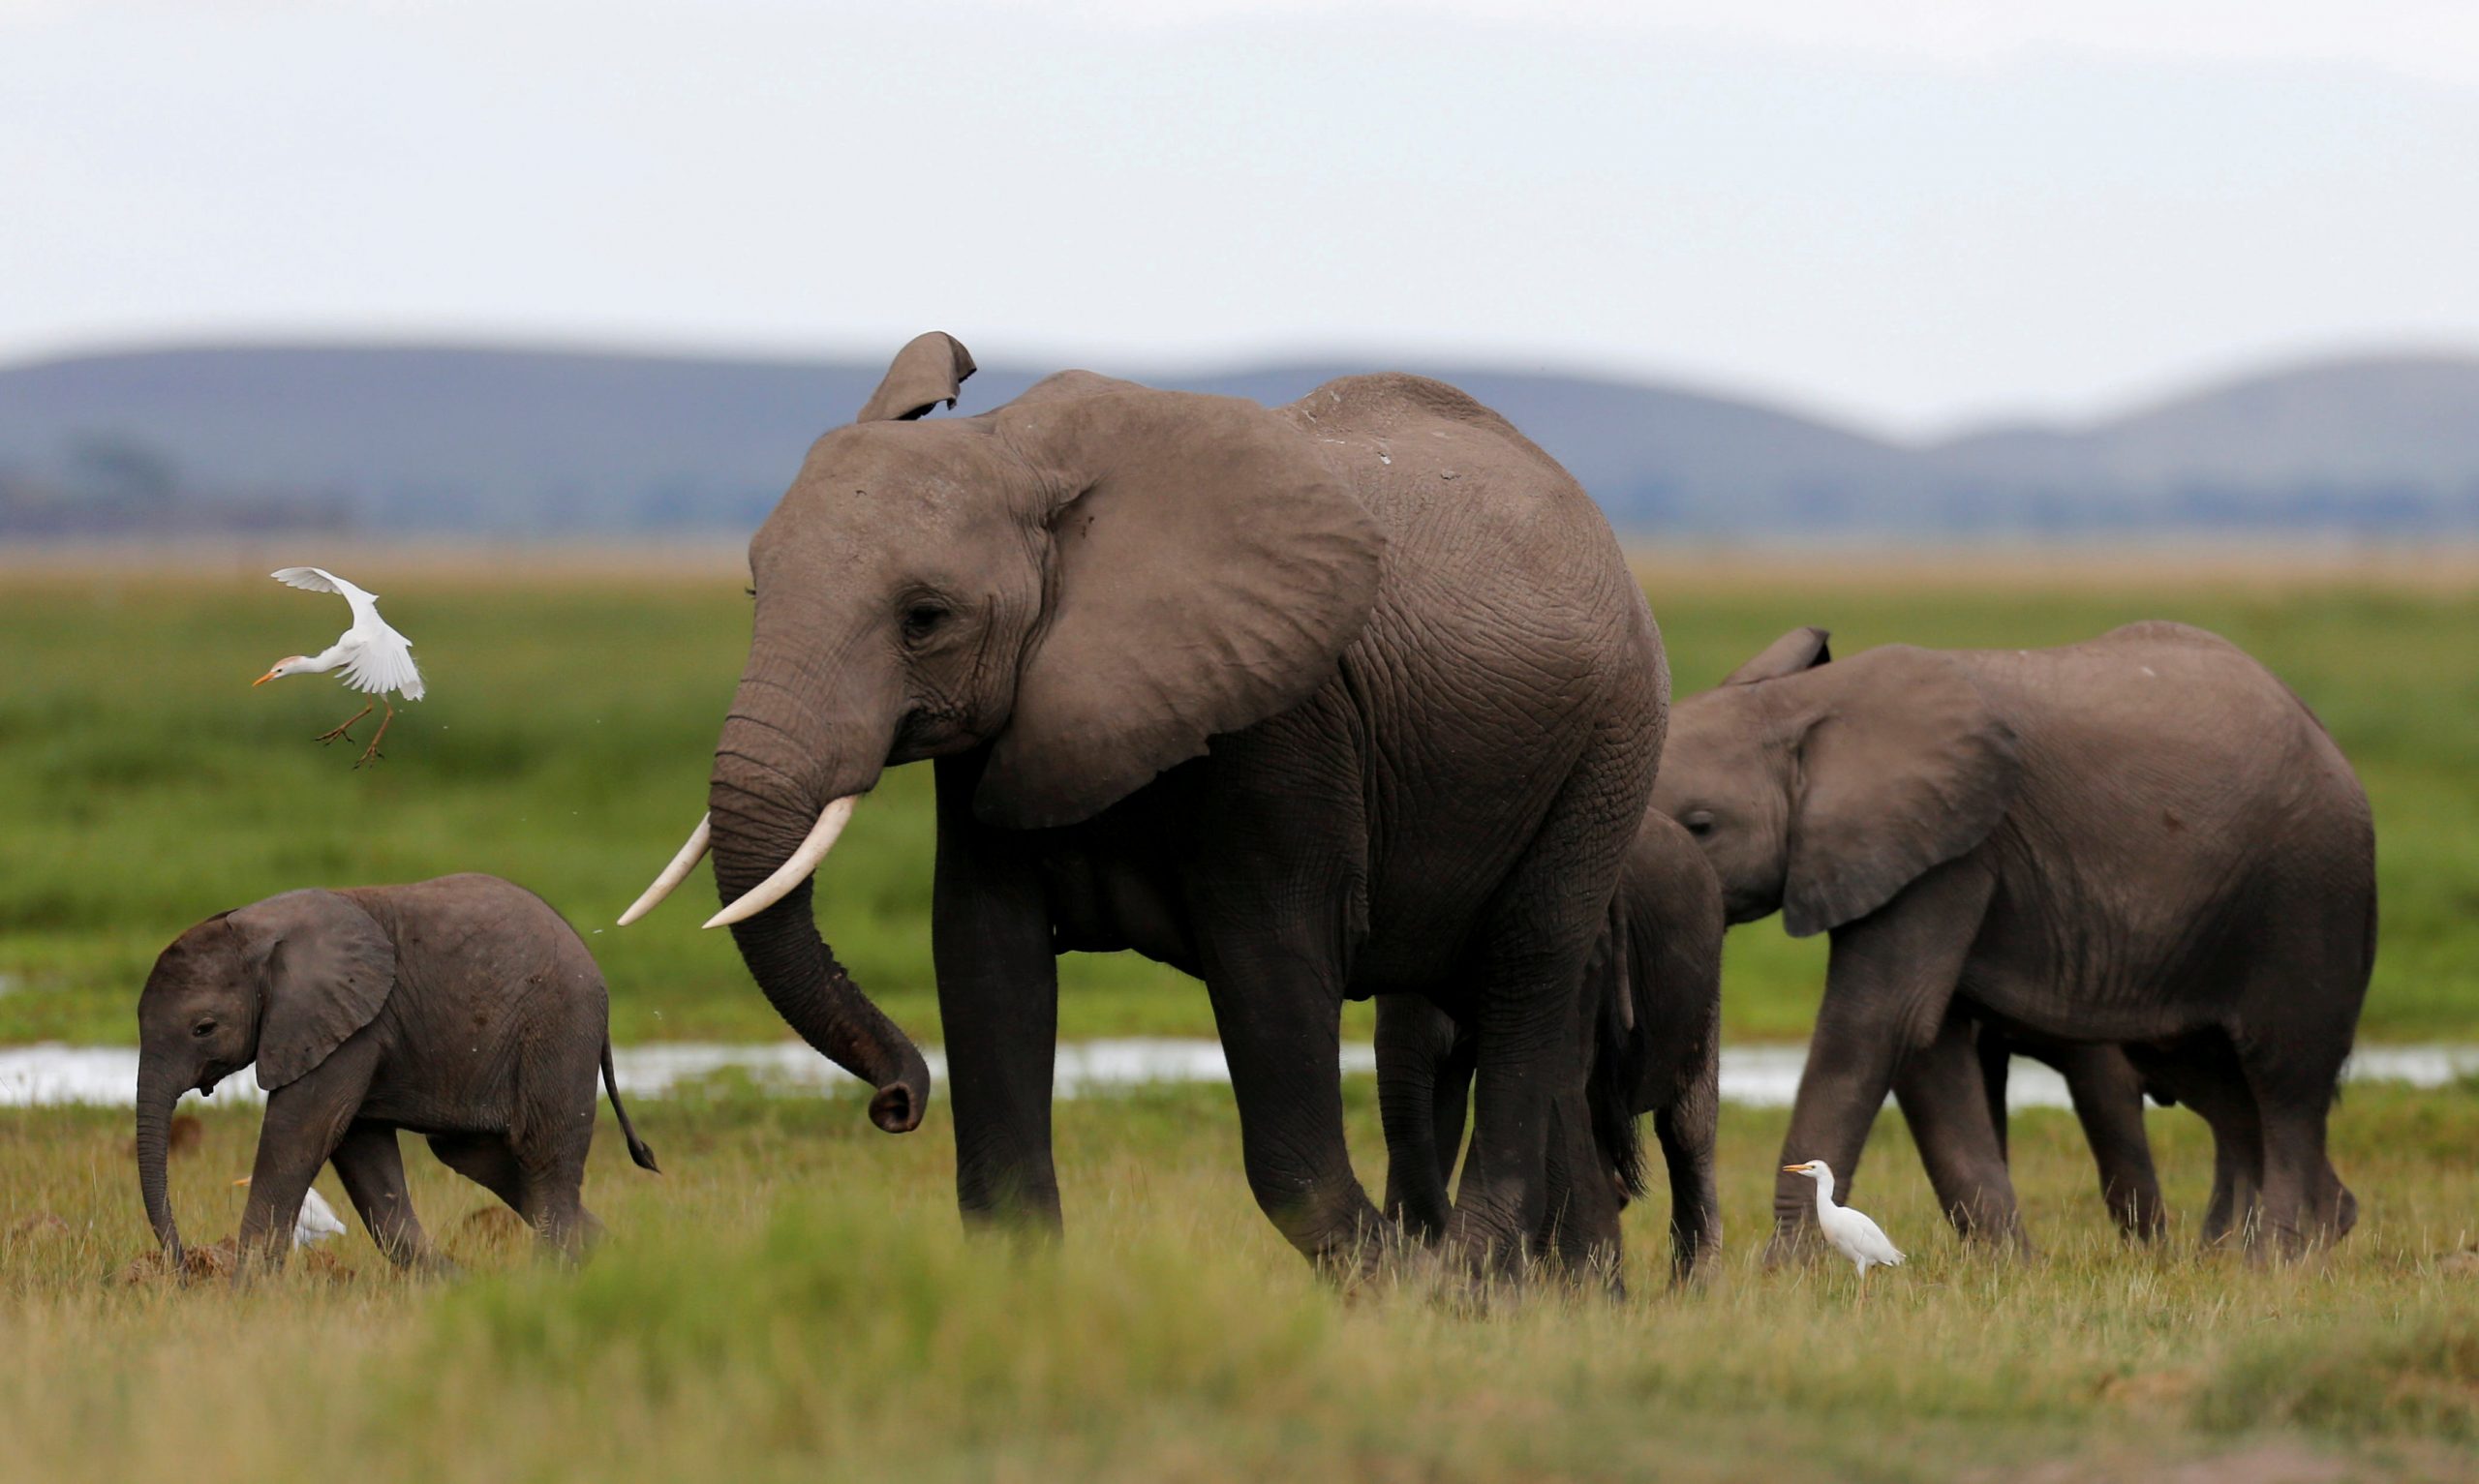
(2144,839)
(1347,697)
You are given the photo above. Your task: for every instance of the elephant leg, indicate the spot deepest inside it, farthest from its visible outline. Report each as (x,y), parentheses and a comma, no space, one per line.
(1535,941)
(1420,1099)
(1582,1230)
(2237,1184)
(2205,1076)
(554,1175)
(2300,1193)
(1283,1039)
(306,1119)
(2109,1101)
(545,1191)
(486,1160)
(1687,1130)
(998,999)
(373,1171)
(1996,1071)
(1887,987)
(1943,1096)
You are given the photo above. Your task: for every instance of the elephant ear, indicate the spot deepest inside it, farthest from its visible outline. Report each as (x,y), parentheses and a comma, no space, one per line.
(325,967)
(929,370)
(1799,651)
(1903,766)
(1208,568)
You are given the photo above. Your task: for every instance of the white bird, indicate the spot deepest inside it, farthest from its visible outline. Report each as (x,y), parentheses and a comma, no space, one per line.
(317,1220)
(376,658)
(1852,1234)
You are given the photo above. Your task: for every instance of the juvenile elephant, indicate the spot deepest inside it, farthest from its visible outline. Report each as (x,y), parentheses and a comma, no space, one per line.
(2143,839)
(1354,696)
(462,1007)
(1651,1020)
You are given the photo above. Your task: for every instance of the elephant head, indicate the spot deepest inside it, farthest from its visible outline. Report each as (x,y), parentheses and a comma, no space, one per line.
(280,983)
(1087,583)
(1823,788)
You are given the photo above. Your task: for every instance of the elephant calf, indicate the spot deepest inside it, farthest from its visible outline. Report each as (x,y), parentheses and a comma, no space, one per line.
(2144,839)
(464,1009)
(1652,1008)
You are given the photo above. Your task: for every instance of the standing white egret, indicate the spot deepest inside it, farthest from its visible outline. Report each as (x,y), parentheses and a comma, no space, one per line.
(1852,1234)
(316,1221)
(376,658)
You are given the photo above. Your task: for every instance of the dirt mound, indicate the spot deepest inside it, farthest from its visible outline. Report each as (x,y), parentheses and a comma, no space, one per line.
(217,1261)
(41,1223)
(196,1262)
(489,1229)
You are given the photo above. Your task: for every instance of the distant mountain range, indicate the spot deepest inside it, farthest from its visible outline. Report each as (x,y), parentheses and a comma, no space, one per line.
(506,442)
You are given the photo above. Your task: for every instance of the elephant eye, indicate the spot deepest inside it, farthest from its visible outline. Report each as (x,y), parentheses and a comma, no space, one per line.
(921,620)
(1699,822)
(204,1028)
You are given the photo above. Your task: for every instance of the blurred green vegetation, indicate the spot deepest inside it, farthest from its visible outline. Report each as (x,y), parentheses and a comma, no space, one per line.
(144,784)
(794,1300)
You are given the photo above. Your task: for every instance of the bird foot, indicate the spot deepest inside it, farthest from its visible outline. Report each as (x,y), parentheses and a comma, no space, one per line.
(370,755)
(324,737)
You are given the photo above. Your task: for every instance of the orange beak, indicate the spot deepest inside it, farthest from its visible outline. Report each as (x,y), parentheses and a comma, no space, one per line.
(244,1180)
(1794,1169)
(264,678)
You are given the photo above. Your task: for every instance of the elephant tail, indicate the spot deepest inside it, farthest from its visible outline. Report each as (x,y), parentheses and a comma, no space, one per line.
(637,1148)
(1609,1088)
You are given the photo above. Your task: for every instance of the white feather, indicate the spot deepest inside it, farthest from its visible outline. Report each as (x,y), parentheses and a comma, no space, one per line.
(317,1222)
(373,656)
(1851,1233)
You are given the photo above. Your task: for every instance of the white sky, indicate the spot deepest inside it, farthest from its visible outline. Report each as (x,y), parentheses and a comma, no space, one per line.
(1910,212)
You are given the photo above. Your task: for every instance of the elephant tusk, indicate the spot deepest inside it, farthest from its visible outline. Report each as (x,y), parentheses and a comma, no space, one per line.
(674,873)
(831,821)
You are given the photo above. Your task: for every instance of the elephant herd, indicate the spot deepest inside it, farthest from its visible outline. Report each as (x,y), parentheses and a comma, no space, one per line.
(1357,697)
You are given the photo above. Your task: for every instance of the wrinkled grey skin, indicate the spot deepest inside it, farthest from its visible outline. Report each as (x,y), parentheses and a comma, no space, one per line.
(2144,840)
(1348,697)
(462,1007)
(1651,1020)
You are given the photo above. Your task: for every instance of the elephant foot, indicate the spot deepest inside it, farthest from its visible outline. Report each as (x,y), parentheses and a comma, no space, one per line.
(1792,1242)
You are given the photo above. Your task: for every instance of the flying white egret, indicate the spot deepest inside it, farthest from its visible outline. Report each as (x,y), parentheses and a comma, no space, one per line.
(376,658)
(317,1222)
(1852,1234)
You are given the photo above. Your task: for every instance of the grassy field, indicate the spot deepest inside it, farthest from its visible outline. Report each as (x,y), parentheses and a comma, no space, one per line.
(793,1299)
(144,784)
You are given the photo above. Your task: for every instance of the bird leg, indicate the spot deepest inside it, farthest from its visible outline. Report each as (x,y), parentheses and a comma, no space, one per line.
(371,754)
(346,731)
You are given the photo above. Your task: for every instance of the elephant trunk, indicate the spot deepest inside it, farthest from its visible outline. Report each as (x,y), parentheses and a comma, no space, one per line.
(159,1088)
(768,790)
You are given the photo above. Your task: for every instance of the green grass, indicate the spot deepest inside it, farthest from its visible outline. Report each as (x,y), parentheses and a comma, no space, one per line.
(143,784)
(794,1301)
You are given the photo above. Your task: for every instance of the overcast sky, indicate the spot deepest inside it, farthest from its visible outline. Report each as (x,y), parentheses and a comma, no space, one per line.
(1908,213)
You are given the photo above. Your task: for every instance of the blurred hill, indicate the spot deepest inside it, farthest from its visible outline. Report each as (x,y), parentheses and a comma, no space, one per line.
(450,441)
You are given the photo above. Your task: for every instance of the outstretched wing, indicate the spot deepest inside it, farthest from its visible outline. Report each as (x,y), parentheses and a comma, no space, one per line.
(364,604)
(383,660)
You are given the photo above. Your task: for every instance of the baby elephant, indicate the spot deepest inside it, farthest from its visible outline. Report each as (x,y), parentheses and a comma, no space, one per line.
(1651,1043)
(464,1009)
(2142,841)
